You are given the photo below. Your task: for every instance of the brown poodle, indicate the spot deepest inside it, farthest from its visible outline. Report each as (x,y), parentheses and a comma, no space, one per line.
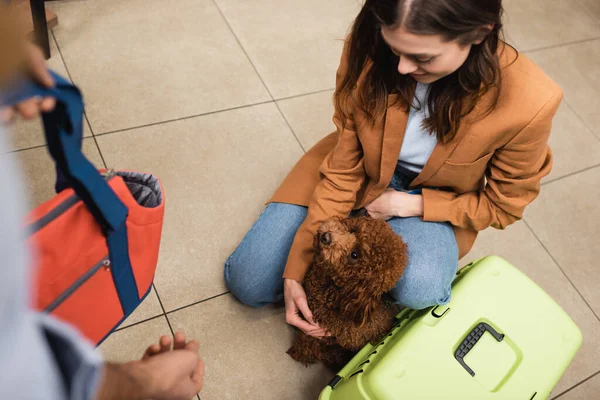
(357,261)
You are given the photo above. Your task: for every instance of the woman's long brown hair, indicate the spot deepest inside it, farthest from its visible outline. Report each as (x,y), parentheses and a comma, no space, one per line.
(450,98)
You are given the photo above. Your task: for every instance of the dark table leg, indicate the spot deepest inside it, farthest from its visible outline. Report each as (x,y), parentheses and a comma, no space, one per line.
(38,13)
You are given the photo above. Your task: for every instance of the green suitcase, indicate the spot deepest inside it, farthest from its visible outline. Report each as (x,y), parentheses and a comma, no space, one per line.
(501,337)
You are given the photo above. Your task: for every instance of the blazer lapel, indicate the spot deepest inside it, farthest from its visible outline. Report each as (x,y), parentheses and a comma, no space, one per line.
(443,151)
(440,154)
(393,135)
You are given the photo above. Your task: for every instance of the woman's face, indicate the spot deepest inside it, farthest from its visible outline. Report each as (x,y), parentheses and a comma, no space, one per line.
(426,58)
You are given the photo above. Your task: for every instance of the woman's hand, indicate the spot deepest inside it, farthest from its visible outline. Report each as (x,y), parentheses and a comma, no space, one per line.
(36,68)
(295,304)
(396,204)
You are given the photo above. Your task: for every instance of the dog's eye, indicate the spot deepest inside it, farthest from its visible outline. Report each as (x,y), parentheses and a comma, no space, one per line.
(354,255)
(352,230)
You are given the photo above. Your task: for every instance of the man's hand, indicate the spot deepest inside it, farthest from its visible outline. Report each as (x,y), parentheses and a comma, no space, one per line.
(36,69)
(161,374)
(178,374)
(296,303)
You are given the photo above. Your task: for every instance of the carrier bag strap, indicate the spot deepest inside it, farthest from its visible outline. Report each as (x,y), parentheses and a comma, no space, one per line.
(63,128)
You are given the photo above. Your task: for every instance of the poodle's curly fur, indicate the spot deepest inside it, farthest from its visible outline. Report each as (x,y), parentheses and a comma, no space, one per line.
(357,261)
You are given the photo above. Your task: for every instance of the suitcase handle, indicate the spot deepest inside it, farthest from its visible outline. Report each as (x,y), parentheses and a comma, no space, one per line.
(63,128)
(471,340)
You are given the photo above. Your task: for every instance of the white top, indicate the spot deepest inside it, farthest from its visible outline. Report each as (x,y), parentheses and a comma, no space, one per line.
(418,144)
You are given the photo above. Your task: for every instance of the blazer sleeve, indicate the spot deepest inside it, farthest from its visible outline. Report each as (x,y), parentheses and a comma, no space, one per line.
(513,179)
(342,175)
(11,44)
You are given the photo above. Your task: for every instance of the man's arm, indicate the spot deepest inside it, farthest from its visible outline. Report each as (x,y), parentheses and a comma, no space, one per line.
(162,374)
(123,381)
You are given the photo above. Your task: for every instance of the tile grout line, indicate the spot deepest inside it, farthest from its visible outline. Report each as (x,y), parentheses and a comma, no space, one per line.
(62,58)
(120,328)
(295,96)
(570,174)
(256,70)
(163,309)
(37,146)
(196,303)
(561,270)
(211,112)
(578,292)
(289,126)
(555,46)
(576,385)
(87,121)
(165,313)
(581,119)
(183,118)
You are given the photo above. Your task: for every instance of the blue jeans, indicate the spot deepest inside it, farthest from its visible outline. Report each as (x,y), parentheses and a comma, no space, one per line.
(253,273)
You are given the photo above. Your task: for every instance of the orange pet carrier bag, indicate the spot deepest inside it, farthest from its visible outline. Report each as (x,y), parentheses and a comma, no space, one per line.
(96,242)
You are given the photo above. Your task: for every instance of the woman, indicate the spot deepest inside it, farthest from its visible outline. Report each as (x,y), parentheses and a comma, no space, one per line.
(442,130)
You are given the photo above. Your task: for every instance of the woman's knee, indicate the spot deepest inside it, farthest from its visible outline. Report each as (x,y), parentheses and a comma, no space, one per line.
(427,280)
(419,294)
(432,262)
(249,286)
(253,272)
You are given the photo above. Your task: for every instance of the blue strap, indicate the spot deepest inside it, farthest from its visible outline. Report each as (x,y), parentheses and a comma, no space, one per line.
(122,272)
(64,131)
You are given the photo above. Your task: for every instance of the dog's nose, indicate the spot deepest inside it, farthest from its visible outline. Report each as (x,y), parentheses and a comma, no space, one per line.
(326,238)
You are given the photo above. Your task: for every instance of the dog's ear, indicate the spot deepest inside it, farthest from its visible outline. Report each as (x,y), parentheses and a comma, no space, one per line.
(391,255)
(398,258)
(361,305)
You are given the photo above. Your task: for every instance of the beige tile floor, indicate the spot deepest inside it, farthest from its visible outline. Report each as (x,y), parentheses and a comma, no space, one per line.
(220,97)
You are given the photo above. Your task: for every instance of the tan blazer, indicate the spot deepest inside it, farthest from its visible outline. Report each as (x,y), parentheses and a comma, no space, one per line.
(487,174)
